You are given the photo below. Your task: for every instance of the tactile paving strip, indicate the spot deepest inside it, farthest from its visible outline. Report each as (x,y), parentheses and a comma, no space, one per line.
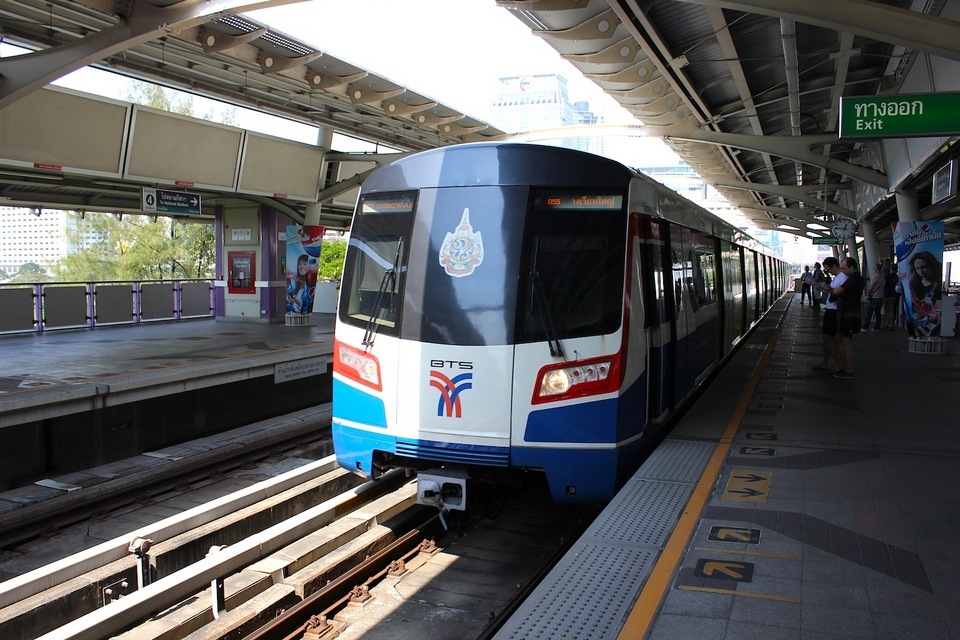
(590,591)
(583,604)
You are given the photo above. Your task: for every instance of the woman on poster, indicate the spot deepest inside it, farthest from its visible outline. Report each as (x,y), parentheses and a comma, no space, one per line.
(925,288)
(299,287)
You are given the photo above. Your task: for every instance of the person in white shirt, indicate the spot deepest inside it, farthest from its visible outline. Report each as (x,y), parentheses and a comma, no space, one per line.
(847,293)
(831,358)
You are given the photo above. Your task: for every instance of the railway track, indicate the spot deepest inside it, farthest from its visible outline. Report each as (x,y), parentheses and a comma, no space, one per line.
(174,471)
(227,567)
(461,584)
(100,592)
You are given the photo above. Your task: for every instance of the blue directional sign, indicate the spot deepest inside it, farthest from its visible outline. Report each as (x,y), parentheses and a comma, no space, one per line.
(165,201)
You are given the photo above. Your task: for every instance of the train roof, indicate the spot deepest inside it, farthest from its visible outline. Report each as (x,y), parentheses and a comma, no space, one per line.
(501,163)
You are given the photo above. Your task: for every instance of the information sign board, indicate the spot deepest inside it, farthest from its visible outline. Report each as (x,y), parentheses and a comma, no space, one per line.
(902,116)
(826,241)
(165,201)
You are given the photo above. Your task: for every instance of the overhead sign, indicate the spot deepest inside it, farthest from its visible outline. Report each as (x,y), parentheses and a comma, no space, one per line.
(903,116)
(165,201)
(826,241)
(944,183)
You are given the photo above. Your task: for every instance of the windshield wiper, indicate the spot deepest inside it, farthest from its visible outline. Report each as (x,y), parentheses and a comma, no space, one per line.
(540,296)
(388,283)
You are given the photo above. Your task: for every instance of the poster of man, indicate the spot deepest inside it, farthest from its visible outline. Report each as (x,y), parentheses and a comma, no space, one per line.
(919,248)
(304,243)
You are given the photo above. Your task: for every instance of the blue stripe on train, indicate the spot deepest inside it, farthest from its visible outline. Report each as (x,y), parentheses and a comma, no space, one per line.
(353,405)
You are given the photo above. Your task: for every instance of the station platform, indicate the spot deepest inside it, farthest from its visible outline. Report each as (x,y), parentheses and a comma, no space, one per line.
(80,398)
(36,364)
(786,504)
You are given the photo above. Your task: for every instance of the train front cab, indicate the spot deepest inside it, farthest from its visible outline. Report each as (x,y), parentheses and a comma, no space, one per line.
(426,358)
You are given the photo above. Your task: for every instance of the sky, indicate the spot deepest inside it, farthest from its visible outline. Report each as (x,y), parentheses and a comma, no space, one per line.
(452,51)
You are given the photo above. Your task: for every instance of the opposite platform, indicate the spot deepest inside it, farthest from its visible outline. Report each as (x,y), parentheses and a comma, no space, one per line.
(61,372)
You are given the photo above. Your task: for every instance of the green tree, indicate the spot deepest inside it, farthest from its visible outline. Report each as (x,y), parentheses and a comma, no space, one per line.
(330,264)
(138,248)
(30,272)
(174,101)
(157,97)
(31,268)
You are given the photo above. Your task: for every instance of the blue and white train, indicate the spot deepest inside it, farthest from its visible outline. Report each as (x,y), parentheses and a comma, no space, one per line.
(517,305)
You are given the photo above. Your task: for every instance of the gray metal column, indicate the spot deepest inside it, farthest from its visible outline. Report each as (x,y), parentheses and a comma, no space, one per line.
(908,206)
(870,250)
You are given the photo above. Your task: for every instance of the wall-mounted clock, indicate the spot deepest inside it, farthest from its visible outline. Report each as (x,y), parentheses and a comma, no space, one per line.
(844,228)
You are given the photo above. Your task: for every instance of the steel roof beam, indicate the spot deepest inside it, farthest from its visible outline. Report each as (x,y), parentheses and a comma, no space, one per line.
(793,147)
(861,17)
(801,194)
(21,75)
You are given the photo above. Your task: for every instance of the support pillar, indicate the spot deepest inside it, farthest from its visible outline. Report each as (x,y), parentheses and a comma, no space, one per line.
(908,205)
(870,250)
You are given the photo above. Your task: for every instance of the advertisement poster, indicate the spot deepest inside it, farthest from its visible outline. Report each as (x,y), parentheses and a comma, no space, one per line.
(303,252)
(919,248)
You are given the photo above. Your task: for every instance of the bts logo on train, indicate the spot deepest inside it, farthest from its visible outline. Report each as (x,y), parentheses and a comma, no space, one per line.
(449,404)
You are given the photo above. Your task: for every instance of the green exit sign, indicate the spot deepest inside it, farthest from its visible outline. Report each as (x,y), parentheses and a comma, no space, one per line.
(903,116)
(826,241)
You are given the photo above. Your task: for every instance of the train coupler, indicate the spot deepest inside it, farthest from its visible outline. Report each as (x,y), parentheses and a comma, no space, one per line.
(445,489)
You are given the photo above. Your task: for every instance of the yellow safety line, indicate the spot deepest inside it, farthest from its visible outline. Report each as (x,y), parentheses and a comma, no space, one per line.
(745,594)
(654,591)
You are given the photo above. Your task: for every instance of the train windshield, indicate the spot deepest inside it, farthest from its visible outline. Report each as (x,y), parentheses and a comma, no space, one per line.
(487,265)
(373,271)
(573,266)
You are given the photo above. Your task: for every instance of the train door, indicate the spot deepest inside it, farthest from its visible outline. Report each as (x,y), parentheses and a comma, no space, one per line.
(733,294)
(684,310)
(706,350)
(659,317)
(752,287)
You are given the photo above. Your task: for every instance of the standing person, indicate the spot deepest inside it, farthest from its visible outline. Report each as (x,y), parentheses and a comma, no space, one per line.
(806,279)
(847,293)
(875,299)
(831,359)
(816,291)
(890,281)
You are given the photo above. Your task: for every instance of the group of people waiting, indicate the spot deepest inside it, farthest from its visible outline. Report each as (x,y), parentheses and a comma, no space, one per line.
(838,285)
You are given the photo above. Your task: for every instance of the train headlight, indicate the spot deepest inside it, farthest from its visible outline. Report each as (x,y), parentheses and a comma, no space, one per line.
(356,365)
(590,377)
(554,382)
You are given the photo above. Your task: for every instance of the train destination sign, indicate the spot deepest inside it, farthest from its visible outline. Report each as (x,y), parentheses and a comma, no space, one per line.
(902,116)
(164,201)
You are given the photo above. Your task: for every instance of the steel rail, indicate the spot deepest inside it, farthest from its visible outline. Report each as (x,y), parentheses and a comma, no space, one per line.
(313,611)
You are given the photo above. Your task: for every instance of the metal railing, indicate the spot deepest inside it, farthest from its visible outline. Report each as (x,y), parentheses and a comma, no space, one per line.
(44,306)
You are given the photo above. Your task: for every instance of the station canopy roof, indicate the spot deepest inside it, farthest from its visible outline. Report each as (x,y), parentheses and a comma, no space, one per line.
(746,91)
